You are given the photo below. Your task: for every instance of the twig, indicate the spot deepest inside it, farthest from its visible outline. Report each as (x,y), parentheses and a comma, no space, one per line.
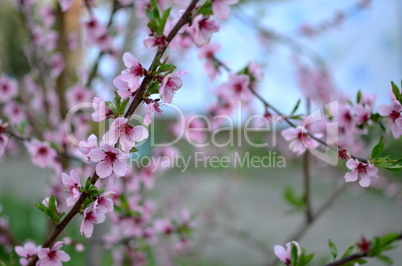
(307,182)
(134,104)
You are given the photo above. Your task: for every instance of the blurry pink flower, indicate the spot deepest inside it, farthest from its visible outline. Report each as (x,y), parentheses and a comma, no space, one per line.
(8,89)
(103,204)
(360,170)
(72,40)
(87,146)
(78,94)
(208,51)
(72,182)
(129,79)
(170,84)
(163,226)
(101,111)
(362,114)
(109,160)
(27,252)
(42,154)
(93,27)
(91,218)
(129,136)
(299,140)
(154,41)
(47,15)
(52,256)
(237,87)
(56,63)
(65,4)
(14,112)
(147,177)
(284,254)
(255,70)
(221,8)
(152,107)
(79,247)
(202,29)
(3,138)
(393,112)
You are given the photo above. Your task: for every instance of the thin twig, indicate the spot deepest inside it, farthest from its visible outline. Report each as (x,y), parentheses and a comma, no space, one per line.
(307,182)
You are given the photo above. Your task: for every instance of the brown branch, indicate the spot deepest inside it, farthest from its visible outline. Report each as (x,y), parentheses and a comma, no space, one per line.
(307,182)
(134,104)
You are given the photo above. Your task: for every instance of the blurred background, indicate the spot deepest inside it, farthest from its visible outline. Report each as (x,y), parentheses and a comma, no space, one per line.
(242,212)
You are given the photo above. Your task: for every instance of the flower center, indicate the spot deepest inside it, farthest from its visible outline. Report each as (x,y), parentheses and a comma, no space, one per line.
(394,115)
(42,151)
(110,157)
(361,168)
(52,255)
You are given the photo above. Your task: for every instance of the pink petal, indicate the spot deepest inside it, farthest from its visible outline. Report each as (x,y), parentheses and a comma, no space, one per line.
(87,229)
(281,253)
(351,176)
(140,133)
(365,181)
(63,256)
(96,155)
(129,60)
(289,134)
(119,168)
(352,164)
(103,170)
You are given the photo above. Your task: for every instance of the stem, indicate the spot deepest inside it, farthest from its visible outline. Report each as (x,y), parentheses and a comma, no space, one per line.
(307,182)
(5,232)
(134,104)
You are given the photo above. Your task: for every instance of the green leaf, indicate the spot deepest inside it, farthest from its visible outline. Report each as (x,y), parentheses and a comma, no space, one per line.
(377,150)
(205,9)
(334,249)
(294,254)
(359,96)
(385,259)
(348,251)
(396,91)
(290,196)
(133,149)
(296,107)
(166,68)
(164,18)
(306,259)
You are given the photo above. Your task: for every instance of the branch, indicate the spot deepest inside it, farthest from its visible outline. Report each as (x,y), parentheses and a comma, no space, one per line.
(307,182)
(134,104)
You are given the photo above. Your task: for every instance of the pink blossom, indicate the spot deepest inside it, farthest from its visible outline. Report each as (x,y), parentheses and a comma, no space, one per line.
(208,51)
(3,137)
(65,4)
(393,112)
(129,79)
(152,107)
(360,170)
(163,226)
(91,218)
(8,89)
(72,182)
(221,8)
(129,136)
(256,71)
(101,111)
(87,146)
(284,254)
(103,204)
(14,112)
(56,63)
(78,94)
(170,84)
(299,140)
(147,177)
(237,87)
(27,252)
(202,29)
(52,257)
(47,15)
(154,41)
(42,154)
(362,114)
(109,160)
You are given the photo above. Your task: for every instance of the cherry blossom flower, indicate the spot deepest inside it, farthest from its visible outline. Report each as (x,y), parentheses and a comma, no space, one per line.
(8,89)
(101,111)
(129,79)
(393,112)
(109,160)
(152,107)
(299,140)
(78,94)
(237,87)
(3,137)
(129,136)
(65,4)
(88,145)
(27,252)
(53,256)
(91,218)
(365,171)
(15,112)
(163,226)
(155,41)
(42,154)
(202,29)
(47,15)
(56,63)
(362,114)
(72,182)
(284,254)
(103,204)
(170,84)
(221,8)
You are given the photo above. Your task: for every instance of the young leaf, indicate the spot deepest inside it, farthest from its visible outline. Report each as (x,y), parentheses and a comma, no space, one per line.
(292,199)
(359,96)
(348,251)
(377,150)
(396,91)
(164,18)
(296,107)
(334,249)
(294,254)
(385,259)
